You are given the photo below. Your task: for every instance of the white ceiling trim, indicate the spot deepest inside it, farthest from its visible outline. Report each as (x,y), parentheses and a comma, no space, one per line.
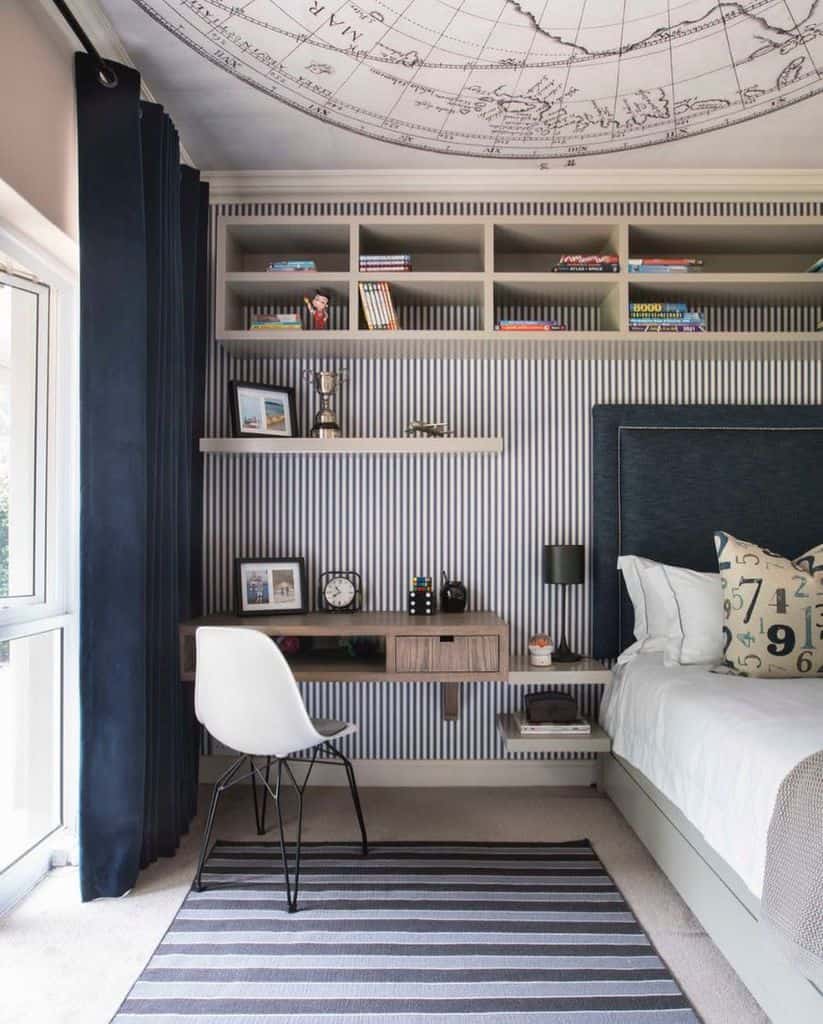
(228,186)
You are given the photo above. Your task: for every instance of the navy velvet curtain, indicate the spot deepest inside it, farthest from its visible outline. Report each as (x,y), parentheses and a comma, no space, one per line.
(142,368)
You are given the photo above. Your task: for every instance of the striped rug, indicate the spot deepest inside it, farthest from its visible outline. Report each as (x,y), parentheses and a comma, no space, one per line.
(415,933)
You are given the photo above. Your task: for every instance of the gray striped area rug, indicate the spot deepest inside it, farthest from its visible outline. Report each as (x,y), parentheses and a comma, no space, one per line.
(415,933)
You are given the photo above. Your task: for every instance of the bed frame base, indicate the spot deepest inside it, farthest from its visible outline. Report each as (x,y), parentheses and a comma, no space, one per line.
(780,989)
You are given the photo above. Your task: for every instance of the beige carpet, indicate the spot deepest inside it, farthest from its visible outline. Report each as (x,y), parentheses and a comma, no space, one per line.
(63,962)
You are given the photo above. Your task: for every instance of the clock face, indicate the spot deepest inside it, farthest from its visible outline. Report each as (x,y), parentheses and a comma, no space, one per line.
(339,592)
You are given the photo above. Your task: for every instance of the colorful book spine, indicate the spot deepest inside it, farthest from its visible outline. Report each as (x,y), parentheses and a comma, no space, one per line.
(654,308)
(391,313)
(668,328)
(586,268)
(365,305)
(376,306)
(588,259)
(286,266)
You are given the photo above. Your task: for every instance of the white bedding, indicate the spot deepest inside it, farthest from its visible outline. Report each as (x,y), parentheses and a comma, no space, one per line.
(718,746)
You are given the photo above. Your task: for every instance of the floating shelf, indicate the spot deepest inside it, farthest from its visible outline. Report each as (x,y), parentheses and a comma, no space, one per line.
(350,445)
(569,673)
(599,742)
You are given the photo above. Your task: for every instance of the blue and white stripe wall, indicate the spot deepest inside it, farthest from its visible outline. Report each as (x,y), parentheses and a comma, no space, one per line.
(483,518)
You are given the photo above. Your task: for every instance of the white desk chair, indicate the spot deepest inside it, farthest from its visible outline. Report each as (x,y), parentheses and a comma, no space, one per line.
(246,696)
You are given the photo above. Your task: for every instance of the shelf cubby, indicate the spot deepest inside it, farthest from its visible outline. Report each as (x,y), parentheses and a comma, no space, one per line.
(779,248)
(249,245)
(247,294)
(740,303)
(534,248)
(434,302)
(434,248)
(583,302)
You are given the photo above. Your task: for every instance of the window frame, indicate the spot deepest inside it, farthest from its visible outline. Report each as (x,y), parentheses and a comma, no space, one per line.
(43,401)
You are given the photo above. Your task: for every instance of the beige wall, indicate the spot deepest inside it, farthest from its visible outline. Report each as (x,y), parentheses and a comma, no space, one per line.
(38,154)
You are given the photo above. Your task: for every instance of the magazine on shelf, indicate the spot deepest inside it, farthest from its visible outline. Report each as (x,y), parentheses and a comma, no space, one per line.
(579,727)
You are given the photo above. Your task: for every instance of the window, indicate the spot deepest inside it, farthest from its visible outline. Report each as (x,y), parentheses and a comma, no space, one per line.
(23,393)
(38,542)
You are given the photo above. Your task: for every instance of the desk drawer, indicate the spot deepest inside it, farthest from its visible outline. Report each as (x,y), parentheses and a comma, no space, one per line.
(432,654)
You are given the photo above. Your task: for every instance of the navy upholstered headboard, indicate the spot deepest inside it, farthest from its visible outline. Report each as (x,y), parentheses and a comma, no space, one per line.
(666,476)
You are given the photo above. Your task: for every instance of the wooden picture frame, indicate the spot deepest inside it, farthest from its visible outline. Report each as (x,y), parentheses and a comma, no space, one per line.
(257,410)
(270,586)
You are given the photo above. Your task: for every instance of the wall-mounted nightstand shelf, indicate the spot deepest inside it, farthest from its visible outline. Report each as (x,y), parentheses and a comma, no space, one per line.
(350,445)
(569,673)
(598,742)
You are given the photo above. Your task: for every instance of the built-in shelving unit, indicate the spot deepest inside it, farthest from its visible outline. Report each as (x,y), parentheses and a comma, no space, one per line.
(468,273)
(350,445)
(567,673)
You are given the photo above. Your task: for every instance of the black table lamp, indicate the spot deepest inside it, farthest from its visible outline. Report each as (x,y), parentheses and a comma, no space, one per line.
(563,564)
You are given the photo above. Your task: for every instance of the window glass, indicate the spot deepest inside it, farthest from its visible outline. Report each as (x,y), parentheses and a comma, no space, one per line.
(30,730)
(19,331)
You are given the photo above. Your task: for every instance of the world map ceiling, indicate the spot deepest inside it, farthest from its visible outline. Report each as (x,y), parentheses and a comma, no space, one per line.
(522,79)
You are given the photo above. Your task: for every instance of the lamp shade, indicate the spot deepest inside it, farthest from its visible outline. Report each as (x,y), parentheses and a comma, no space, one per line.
(564,563)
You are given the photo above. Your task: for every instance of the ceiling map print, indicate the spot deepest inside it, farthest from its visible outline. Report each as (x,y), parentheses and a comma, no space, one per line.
(528,79)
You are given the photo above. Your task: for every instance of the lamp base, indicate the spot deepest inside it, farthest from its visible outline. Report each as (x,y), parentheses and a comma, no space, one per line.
(564,653)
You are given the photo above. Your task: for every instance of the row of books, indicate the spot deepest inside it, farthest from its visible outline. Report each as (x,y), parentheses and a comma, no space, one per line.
(665,265)
(530,325)
(579,727)
(587,263)
(665,317)
(291,266)
(392,264)
(378,307)
(276,322)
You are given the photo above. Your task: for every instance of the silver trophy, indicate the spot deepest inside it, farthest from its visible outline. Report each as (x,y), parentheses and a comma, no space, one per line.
(325,419)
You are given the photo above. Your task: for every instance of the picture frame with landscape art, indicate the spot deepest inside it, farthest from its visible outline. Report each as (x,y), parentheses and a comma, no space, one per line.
(262,410)
(270,586)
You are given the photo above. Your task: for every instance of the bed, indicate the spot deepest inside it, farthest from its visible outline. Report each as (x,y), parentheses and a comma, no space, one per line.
(697,757)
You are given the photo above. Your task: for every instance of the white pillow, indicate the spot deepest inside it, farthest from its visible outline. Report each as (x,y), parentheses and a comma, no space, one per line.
(697,637)
(655,613)
(677,611)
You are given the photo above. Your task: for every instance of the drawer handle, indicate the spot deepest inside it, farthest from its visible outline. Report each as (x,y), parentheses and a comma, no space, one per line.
(446,639)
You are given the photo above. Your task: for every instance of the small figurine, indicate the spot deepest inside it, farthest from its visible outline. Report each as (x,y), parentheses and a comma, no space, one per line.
(427,428)
(319,309)
(540,650)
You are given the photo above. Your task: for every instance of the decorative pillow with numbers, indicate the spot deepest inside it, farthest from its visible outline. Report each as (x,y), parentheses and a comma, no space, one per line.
(772,608)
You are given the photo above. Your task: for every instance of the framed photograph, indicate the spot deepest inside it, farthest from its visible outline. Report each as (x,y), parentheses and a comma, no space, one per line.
(262,410)
(271,586)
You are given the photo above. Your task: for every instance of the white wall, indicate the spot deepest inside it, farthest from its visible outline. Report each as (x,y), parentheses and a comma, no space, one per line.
(38,150)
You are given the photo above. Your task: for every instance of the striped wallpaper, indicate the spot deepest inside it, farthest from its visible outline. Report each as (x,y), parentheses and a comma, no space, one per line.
(483,518)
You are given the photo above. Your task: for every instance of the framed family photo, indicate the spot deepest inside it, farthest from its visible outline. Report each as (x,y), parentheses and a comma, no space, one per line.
(262,410)
(271,586)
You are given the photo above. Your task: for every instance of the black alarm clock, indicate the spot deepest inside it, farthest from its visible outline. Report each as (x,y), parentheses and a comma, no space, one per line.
(339,591)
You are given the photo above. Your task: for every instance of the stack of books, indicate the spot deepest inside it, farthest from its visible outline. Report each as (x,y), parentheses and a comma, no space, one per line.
(378,307)
(291,266)
(585,263)
(579,727)
(276,322)
(530,325)
(662,317)
(395,264)
(666,265)
(816,267)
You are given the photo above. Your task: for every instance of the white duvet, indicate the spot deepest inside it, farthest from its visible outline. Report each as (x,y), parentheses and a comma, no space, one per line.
(718,746)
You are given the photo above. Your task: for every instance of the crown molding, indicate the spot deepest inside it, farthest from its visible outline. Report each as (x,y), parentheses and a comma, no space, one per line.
(102,33)
(509,182)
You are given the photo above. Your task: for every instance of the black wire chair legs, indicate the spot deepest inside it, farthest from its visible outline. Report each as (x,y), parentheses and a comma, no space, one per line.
(263,776)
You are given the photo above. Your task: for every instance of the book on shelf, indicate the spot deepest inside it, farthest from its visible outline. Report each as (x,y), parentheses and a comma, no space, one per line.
(656,308)
(583,259)
(378,306)
(276,322)
(666,265)
(668,328)
(395,264)
(586,268)
(816,267)
(291,266)
(579,727)
(530,325)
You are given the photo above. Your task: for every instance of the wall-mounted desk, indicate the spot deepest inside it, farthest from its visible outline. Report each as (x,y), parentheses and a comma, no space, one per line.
(446,649)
